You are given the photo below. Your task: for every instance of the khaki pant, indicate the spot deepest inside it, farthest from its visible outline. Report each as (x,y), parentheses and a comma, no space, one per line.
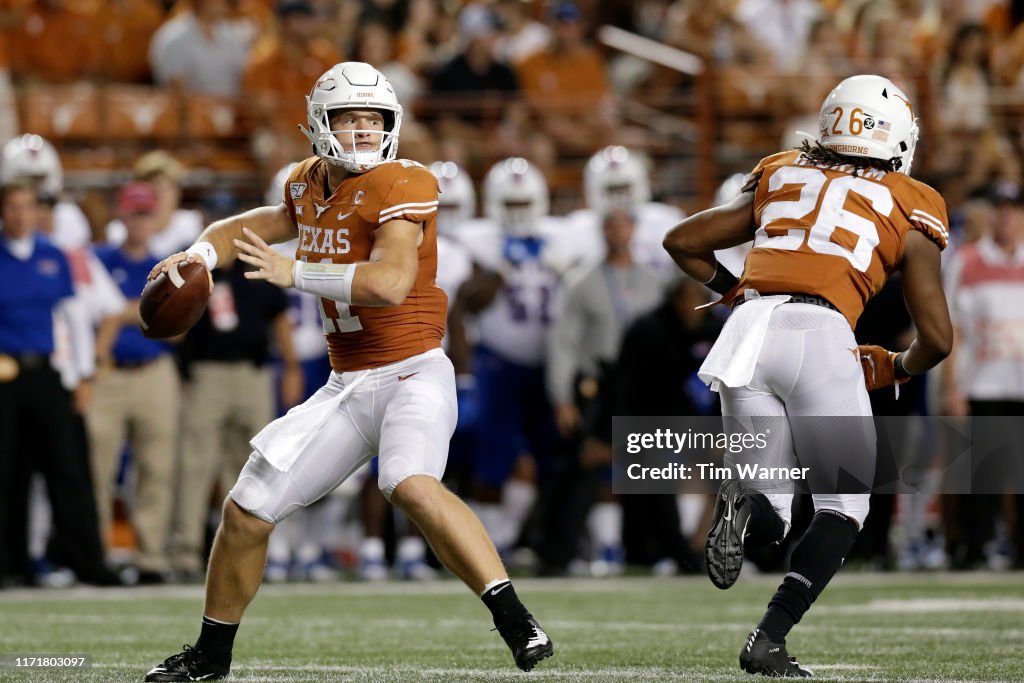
(140,406)
(225,404)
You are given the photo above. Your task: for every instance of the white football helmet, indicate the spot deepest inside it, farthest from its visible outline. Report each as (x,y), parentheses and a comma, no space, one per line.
(457,199)
(516,196)
(868,116)
(352,85)
(275,191)
(32,157)
(615,178)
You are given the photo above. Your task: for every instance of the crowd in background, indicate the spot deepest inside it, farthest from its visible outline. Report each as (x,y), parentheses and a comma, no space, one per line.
(558,321)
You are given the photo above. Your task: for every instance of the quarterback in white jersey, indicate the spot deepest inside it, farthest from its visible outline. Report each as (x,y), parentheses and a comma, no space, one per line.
(616,178)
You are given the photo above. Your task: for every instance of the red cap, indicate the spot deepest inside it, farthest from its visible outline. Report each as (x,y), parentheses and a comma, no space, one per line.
(137,197)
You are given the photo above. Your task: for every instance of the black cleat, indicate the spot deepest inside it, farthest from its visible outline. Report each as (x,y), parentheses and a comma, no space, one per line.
(188,665)
(761,656)
(527,640)
(723,551)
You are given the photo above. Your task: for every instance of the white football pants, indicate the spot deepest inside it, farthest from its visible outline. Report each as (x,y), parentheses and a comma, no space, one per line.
(808,366)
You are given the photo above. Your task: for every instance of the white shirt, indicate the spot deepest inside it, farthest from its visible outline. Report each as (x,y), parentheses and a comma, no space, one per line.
(70,226)
(985,288)
(653,221)
(181,50)
(179,234)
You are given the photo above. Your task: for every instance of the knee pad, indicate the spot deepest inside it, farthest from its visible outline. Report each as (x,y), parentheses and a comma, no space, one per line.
(264,491)
(394,466)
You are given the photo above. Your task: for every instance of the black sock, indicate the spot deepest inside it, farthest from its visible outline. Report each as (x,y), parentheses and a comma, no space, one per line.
(816,558)
(764,526)
(216,639)
(503,602)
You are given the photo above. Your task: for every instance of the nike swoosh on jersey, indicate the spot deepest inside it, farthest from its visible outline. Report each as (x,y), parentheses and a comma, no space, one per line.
(402,378)
(343,216)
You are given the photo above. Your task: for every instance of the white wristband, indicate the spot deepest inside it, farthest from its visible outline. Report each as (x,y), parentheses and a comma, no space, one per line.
(329,280)
(206,252)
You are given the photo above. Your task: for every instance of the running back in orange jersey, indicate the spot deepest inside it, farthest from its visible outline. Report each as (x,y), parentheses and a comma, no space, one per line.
(340,229)
(834,231)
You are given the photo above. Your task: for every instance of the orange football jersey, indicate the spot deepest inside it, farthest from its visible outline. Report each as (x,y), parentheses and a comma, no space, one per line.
(340,229)
(834,233)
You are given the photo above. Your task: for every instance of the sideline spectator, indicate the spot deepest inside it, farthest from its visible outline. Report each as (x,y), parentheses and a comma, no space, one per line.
(523,36)
(657,375)
(566,85)
(202,50)
(583,347)
(176,228)
(228,396)
(37,429)
(137,396)
(125,28)
(985,375)
(277,76)
(474,84)
(55,43)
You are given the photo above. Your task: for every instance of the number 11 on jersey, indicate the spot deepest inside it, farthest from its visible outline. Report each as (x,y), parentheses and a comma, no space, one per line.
(336,316)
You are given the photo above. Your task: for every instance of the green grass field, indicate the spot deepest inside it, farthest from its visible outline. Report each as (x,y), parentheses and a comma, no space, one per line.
(921,627)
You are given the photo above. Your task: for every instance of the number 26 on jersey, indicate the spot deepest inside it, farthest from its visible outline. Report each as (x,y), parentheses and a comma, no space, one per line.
(831,215)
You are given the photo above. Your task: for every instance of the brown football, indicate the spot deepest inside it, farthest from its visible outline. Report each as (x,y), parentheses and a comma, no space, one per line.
(174,301)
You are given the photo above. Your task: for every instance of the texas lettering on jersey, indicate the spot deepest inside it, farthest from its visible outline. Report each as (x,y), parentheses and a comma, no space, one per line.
(340,229)
(834,232)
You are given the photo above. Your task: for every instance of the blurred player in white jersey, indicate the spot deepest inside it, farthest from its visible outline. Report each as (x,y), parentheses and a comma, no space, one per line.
(509,303)
(33,157)
(616,178)
(456,207)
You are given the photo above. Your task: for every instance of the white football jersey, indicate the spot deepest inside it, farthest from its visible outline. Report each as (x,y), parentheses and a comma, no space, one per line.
(70,226)
(97,297)
(454,266)
(515,325)
(179,234)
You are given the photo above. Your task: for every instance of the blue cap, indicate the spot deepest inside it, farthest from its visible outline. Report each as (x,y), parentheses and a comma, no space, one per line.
(566,11)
